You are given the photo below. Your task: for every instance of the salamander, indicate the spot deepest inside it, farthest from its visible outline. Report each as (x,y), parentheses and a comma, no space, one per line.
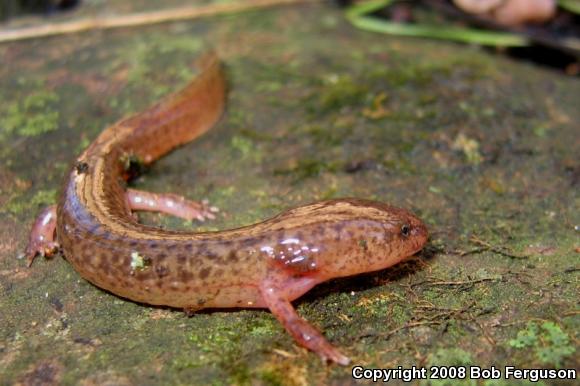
(264,265)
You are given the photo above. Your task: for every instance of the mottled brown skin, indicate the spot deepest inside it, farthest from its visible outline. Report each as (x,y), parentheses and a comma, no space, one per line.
(267,264)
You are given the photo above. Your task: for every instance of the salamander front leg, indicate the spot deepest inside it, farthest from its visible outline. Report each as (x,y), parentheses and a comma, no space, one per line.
(171,204)
(303,332)
(41,240)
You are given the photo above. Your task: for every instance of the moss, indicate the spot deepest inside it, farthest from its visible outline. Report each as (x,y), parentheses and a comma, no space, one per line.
(265,329)
(33,115)
(307,168)
(273,378)
(141,63)
(224,341)
(340,91)
(510,382)
(469,147)
(19,204)
(450,357)
(377,110)
(416,72)
(246,147)
(551,345)
(453,357)
(541,130)
(139,262)
(327,136)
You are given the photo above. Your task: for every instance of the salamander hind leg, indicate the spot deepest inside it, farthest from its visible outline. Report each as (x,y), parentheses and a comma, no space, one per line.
(302,331)
(171,204)
(41,240)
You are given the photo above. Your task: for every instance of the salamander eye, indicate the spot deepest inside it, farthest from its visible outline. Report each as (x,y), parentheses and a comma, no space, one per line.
(405,230)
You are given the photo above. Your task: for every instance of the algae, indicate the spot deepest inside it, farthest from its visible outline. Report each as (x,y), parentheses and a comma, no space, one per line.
(20,203)
(34,115)
(551,345)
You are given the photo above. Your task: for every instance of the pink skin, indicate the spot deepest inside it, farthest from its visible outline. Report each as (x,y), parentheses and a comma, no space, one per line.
(170,204)
(518,12)
(478,6)
(42,240)
(286,280)
(274,294)
(277,291)
(510,12)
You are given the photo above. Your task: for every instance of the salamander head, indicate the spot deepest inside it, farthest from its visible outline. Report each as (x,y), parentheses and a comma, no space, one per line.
(374,237)
(348,236)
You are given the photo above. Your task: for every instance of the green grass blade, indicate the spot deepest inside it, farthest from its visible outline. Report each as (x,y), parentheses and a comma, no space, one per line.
(465,35)
(361,9)
(570,5)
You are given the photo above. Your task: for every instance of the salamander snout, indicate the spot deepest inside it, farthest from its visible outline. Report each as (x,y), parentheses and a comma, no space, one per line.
(392,234)
(413,232)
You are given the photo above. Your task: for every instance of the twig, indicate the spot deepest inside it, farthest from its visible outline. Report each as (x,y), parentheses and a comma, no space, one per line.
(485,333)
(387,335)
(447,310)
(138,19)
(411,325)
(283,353)
(486,246)
(463,282)
(444,313)
(454,283)
(571,313)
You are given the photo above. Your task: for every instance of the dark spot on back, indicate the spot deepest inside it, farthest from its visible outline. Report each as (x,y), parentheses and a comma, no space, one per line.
(232,256)
(211,255)
(104,267)
(249,242)
(185,275)
(161,256)
(318,231)
(143,275)
(204,273)
(104,257)
(201,250)
(161,270)
(181,259)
